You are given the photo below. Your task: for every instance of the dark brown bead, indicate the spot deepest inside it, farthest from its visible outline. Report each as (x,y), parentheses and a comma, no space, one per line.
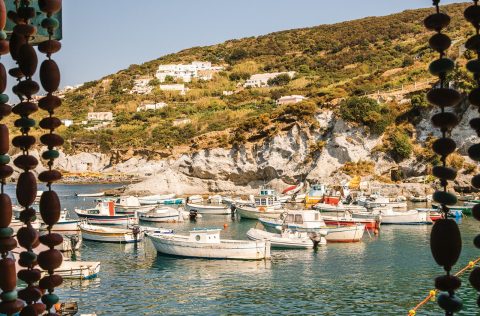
(11,308)
(49,102)
(23,141)
(26,162)
(5,110)
(474,97)
(28,88)
(476,182)
(30,294)
(3,78)
(445,120)
(50,207)
(444,146)
(4,47)
(52,140)
(437,21)
(473,43)
(39,308)
(8,281)
(50,259)
(50,281)
(16,73)
(474,152)
(447,283)
(49,46)
(476,211)
(50,6)
(5,171)
(443,97)
(49,75)
(445,242)
(25,29)
(50,176)
(3,15)
(27,215)
(7,244)
(4,139)
(50,123)
(16,41)
(444,173)
(25,108)
(440,42)
(51,240)
(29,276)
(475,123)
(475,278)
(27,236)
(5,210)
(26,189)
(27,60)
(472,14)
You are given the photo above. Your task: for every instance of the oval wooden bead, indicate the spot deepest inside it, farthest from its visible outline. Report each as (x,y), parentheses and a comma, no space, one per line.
(50,281)
(5,171)
(475,123)
(49,75)
(447,283)
(445,242)
(6,232)
(11,308)
(50,176)
(25,108)
(16,73)
(28,215)
(3,15)
(476,181)
(444,173)
(26,189)
(50,123)
(444,198)
(474,97)
(7,244)
(50,259)
(441,66)
(4,159)
(28,88)
(450,304)
(27,236)
(3,78)
(25,29)
(4,139)
(443,97)
(474,152)
(4,47)
(49,46)
(476,241)
(473,43)
(476,211)
(445,120)
(440,42)
(25,122)
(30,294)
(26,13)
(49,102)
(5,210)
(50,154)
(52,140)
(27,60)
(23,141)
(472,14)
(473,66)
(9,296)
(50,6)
(444,146)
(50,23)
(437,21)
(5,110)
(51,240)
(26,162)
(50,207)
(29,276)
(40,309)
(8,281)
(16,41)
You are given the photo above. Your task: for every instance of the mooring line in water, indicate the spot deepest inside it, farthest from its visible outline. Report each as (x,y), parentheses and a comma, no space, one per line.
(432,293)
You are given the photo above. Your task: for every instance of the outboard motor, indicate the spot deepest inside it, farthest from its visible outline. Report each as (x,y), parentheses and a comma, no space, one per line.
(74,239)
(315,239)
(233,209)
(135,232)
(193,215)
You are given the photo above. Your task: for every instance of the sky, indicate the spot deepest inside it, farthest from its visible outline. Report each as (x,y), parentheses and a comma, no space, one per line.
(103,37)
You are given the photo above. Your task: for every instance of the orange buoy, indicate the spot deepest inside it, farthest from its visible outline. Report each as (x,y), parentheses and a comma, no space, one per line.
(225,226)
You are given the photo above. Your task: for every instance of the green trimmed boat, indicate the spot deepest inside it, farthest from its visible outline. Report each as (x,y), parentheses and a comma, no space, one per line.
(465,209)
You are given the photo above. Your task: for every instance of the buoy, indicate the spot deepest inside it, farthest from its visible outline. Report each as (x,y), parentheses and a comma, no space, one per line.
(225,226)
(411,312)
(376,231)
(471,264)
(432,295)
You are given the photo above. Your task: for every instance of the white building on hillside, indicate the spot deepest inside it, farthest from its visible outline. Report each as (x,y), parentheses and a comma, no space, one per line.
(291,99)
(151,107)
(141,86)
(67,123)
(100,116)
(181,121)
(174,87)
(261,80)
(197,69)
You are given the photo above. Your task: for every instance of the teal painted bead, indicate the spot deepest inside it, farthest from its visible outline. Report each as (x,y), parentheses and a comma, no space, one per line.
(6,232)
(28,256)
(441,66)
(3,98)
(50,299)
(9,296)
(474,66)
(446,198)
(3,35)
(50,154)
(25,122)
(4,159)
(50,23)
(449,303)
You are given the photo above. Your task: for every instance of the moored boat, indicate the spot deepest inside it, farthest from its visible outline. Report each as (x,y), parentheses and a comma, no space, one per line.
(339,208)
(160,199)
(264,206)
(162,215)
(104,214)
(64,224)
(98,194)
(288,239)
(130,205)
(111,234)
(206,243)
(346,219)
(411,217)
(80,270)
(208,209)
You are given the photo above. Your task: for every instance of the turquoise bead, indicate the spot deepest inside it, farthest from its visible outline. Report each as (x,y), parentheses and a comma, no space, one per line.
(441,66)
(449,303)
(446,198)
(3,98)
(50,23)
(4,159)
(6,232)
(28,256)
(50,154)
(3,35)
(50,299)
(25,122)
(9,296)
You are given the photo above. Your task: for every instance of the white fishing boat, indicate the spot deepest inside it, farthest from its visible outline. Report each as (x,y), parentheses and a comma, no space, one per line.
(339,208)
(412,217)
(158,199)
(288,239)
(208,209)
(98,194)
(420,198)
(104,214)
(380,201)
(17,224)
(111,234)
(206,243)
(79,270)
(130,205)
(163,215)
(195,199)
(64,224)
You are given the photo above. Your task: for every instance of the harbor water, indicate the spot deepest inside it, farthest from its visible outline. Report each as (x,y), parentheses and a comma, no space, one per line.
(386,274)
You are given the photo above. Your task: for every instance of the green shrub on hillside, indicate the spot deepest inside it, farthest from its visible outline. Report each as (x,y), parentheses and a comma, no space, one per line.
(401,145)
(280,80)
(367,112)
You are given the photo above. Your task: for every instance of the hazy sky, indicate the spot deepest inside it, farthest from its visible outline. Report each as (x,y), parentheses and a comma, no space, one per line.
(104,36)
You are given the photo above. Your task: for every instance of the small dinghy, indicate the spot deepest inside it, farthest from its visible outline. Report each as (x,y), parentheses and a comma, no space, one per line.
(208,209)
(79,270)
(155,199)
(206,243)
(111,234)
(163,215)
(104,214)
(131,205)
(99,194)
(412,217)
(289,239)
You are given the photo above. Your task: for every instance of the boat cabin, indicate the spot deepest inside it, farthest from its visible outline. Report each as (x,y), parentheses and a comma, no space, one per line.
(305,218)
(103,208)
(264,201)
(129,201)
(267,192)
(207,236)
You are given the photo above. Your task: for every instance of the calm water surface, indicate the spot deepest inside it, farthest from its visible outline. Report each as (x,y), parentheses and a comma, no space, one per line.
(383,275)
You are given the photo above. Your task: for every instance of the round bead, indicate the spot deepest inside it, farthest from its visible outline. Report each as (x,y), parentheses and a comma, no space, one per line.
(26,189)
(443,97)
(472,14)
(449,303)
(8,281)
(5,210)
(476,181)
(26,162)
(441,66)
(4,139)
(5,171)
(16,41)
(25,108)
(444,146)
(50,299)
(474,152)
(4,159)
(476,211)
(50,259)
(3,78)
(50,123)
(475,123)
(30,294)
(27,236)
(28,257)
(50,207)
(50,6)
(444,198)
(50,154)
(473,43)
(437,21)
(3,98)
(50,23)
(474,97)
(9,296)
(11,308)
(473,66)
(445,120)
(27,60)
(52,140)
(6,232)
(25,122)
(27,30)
(476,241)
(23,141)
(49,46)
(16,73)
(5,110)
(26,13)
(50,176)
(49,102)
(4,47)
(29,276)
(444,173)
(50,281)
(7,244)
(49,75)
(51,240)
(27,88)
(28,215)
(440,42)
(447,283)
(445,242)
(3,35)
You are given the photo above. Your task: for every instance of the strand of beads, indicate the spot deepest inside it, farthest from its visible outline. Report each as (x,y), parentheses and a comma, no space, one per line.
(10,304)
(472,15)
(445,239)
(49,203)
(24,53)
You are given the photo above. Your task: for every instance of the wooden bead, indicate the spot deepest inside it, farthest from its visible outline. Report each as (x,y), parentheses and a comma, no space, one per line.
(451,304)
(50,176)
(437,21)
(4,139)
(476,211)
(440,42)
(25,122)
(473,43)
(3,77)
(474,152)
(444,173)
(5,171)
(26,162)
(6,232)
(11,308)
(28,215)
(30,294)
(444,146)
(50,23)
(52,140)
(5,210)
(27,60)
(447,283)
(16,41)
(441,66)
(29,276)
(50,259)
(49,103)
(16,73)
(49,46)
(27,236)
(472,14)
(28,88)
(26,13)
(474,97)
(476,241)
(25,108)
(27,30)
(444,198)
(50,207)
(473,66)
(50,154)
(23,141)
(445,243)
(3,15)
(26,189)
(50,6)
(51,240)
(50,281)
(50,123)
(8,281)
(7,244)
(5,110)
(475,123)
(445,120)
(4,47)
(476,181)
(49,75)
(443,97)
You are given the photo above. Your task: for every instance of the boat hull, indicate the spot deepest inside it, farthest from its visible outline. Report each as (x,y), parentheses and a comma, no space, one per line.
(277,241)
(345,234)
(111,235)
(79,270)
(105,219)
(208,209)
(369,224)
(133,209)
(406,218)
(253,213)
